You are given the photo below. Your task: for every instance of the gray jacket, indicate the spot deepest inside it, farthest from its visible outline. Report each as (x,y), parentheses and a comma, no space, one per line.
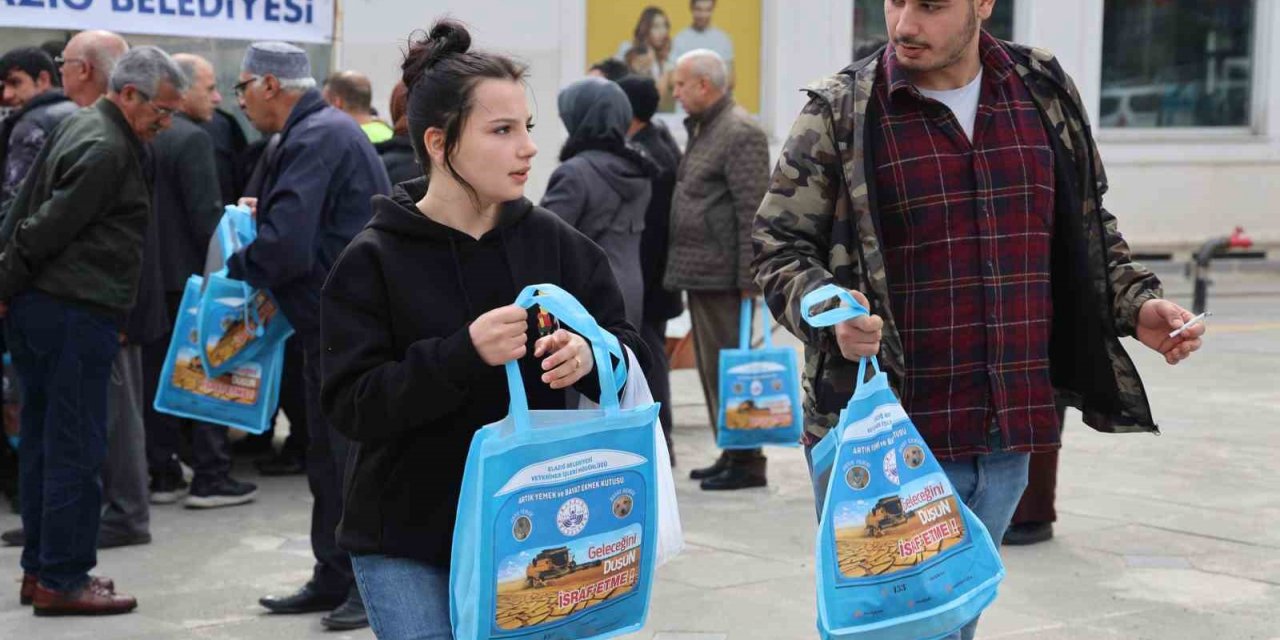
(605,196)
(722,178)
(603,185)
(23,135)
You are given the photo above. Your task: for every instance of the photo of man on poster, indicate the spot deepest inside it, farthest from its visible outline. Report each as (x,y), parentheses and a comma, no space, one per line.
(647,37)
(702,35)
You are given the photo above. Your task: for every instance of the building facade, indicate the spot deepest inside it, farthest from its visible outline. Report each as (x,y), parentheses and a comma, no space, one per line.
(1184,94)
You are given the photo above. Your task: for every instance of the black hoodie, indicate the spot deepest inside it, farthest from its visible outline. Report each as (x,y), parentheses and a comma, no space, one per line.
(402,378)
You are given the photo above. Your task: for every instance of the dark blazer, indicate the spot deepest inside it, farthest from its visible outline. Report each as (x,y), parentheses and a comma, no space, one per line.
(187,200)
(229,144)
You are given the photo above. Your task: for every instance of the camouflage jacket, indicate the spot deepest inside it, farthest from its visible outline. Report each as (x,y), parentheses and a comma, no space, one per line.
(818,224)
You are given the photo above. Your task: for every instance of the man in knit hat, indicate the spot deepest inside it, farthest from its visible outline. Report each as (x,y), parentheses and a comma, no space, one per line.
(315,196)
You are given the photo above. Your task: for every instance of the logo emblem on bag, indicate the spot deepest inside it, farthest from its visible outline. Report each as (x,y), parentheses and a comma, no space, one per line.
(858,478)
(891,466)
(914,456)
(522,528)
(622,506)
(572,517)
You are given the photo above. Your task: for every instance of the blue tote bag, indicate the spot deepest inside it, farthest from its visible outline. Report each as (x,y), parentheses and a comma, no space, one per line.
(899,556)
(759,390)
(556,535)
(235,321)
(244,398)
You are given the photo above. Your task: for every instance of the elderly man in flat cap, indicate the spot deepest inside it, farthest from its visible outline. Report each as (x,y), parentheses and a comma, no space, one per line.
(315,197)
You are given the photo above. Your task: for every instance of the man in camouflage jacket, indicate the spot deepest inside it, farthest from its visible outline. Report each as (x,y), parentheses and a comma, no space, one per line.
(811,231)
(822,222)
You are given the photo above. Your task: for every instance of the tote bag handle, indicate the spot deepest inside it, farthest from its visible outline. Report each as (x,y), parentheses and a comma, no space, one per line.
(230,241)
(571,313)
(744,325)
(848,310)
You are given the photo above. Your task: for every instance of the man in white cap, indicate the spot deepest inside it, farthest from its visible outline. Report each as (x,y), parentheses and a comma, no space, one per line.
(315,197)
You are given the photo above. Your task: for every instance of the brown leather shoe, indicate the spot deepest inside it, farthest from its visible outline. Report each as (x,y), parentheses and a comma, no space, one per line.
(90,600)
(29,580)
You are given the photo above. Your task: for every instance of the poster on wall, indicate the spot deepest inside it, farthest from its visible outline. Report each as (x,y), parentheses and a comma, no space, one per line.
(293,20)
(650,35)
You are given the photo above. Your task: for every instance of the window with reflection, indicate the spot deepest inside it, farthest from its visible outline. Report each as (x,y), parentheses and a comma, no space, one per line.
(1177,63)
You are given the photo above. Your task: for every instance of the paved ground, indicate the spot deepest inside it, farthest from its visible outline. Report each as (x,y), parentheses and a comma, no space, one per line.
(1175,536)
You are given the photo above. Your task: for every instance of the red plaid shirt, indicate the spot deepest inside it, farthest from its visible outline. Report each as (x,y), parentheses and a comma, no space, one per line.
(966,232)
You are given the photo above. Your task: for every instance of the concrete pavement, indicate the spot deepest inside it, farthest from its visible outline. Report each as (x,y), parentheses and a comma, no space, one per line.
(1176,536)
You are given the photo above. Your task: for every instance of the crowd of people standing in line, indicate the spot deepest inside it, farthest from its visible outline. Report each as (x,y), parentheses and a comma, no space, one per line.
(168,158)
(400,292)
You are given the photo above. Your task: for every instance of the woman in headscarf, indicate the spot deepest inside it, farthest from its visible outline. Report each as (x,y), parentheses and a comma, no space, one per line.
(603,185)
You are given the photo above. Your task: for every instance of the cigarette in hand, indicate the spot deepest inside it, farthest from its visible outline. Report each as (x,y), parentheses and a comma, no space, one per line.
(1190,323)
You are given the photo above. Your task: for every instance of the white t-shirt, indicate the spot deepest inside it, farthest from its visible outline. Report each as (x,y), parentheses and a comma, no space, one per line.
(713,39)
(963,102)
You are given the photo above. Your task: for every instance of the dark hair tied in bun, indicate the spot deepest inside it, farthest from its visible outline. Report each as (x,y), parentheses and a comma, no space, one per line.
(441,72)
(447,38)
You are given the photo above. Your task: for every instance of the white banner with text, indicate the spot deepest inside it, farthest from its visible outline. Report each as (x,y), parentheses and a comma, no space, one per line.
(289,20)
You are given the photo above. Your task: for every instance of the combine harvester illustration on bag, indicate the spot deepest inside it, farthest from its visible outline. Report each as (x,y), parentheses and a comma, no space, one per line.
(557,530)
(899,555)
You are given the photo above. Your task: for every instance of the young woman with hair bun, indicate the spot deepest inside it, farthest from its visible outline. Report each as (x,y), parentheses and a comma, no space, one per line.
(418,322)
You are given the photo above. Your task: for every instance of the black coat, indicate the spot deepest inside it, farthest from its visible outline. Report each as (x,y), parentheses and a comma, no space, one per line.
(186,199)
(659,303)
(149,319)
(402,377)
(397,156)
(229,145)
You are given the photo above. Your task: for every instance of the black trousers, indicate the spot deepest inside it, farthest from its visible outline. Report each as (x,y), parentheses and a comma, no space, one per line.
(658,375)
(210,443)
(715,318)
(327,453)
(293,402)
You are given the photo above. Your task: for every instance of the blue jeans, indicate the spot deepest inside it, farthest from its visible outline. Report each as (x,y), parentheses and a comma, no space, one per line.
(63,355)
(989,485)
(405,599)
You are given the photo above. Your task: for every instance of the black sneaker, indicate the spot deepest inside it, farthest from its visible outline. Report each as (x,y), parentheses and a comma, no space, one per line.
(1028,533)
(281,464)
(14,537)
(167,489)
(252,445)
(209,493)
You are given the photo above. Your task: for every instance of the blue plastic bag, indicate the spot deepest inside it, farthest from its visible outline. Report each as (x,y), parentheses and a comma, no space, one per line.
(236,321)
(759,391)
(899,555)
(244,398)
(557,520)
